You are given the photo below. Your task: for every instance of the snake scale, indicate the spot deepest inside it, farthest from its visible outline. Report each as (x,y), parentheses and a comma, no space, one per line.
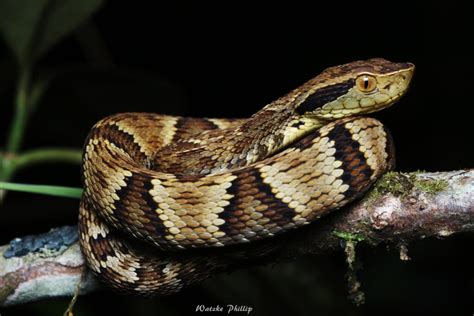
(155,185)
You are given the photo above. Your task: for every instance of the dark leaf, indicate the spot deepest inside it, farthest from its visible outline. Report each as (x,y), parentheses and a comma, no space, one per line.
(31,27)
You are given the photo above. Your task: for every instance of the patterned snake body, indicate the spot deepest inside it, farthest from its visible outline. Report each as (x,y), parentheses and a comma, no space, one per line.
(180,183)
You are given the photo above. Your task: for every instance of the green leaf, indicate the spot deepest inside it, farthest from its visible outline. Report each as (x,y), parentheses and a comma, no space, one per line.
(53,190)
(31,27)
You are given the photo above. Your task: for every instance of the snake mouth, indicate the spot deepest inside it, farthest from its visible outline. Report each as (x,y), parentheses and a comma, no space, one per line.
(406,78)
(408,73)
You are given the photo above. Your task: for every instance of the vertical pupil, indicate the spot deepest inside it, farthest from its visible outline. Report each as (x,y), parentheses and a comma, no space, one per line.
(366,83)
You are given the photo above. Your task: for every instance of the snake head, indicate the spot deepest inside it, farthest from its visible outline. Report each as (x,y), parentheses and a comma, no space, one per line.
(354,89)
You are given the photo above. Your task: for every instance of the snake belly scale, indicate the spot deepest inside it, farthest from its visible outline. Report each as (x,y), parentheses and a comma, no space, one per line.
(179,183)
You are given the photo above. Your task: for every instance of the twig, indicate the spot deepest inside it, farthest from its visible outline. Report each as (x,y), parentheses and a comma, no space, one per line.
(47,155)
(400,208)
(11,163)
(17,128)
(53,190)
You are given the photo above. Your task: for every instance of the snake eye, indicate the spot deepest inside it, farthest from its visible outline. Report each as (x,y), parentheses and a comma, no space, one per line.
(366,83)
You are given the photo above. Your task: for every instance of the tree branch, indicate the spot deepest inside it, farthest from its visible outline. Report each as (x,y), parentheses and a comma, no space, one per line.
(400,208)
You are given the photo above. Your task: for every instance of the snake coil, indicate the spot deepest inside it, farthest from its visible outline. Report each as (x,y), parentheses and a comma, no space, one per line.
(179,183)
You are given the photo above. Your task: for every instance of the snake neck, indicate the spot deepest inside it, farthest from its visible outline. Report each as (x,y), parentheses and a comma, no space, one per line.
(265,133)
(272,130)
(262,135)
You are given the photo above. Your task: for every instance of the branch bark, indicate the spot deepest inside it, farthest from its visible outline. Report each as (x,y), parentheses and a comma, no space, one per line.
(400,208)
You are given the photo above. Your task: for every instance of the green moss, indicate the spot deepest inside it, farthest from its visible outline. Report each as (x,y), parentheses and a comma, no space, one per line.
(429,186)
(400,185)
(419,171)
(356,295)
(391,182)
(352,237)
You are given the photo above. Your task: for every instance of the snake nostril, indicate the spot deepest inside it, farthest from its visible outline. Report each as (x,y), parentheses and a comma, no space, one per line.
(387,87)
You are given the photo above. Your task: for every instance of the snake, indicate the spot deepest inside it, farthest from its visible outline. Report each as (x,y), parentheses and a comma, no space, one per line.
(161,190)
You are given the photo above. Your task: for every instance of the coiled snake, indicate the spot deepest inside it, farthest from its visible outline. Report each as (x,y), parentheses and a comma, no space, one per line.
(180,183)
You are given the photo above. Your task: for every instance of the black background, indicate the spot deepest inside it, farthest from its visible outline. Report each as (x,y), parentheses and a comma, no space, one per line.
(229,61)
